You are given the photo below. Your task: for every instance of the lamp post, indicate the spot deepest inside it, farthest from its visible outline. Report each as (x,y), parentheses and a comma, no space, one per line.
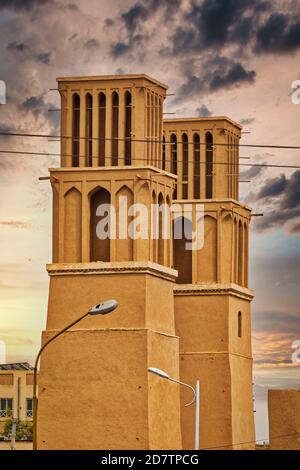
(196,399)
(100,309)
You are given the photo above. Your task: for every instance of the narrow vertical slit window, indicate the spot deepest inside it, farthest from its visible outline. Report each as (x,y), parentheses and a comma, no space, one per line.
(240,324)
(115,129)
(102,124)
(164,153)
(173,143)
(209,165)
(185,166)
(75,130)
(128,127)
(196,147)
(89,130)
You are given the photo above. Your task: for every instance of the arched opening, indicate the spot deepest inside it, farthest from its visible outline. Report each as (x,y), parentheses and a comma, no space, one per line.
(173,143)
(154,227)
(72,226)
(235,251)
(148,127)
(246,257)
(163,165)
(240,256)
(115,129)
(100,226)
(168,202)
(209,165)
(152,132)
(89,130)
(124,240)
(102,125)
(196,149)
(156,127)
(161,221)
(182,233)
(185,166)
(128,127)
(75,129)
(207,255)
(240,325)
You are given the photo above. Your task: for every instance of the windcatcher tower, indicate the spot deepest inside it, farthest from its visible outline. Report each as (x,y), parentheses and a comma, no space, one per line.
(95,392)
(212,299)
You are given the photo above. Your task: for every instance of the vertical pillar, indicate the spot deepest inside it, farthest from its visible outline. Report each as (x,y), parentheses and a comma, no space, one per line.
(85,230)
(179,165)
(202,165)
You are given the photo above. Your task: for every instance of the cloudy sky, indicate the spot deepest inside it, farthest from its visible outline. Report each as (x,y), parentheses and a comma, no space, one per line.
(219,57)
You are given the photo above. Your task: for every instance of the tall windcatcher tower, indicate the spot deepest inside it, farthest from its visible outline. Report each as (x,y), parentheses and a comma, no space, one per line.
(95,389)
(212,299)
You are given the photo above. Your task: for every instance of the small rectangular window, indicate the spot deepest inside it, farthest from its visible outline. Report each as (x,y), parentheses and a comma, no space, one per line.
(6,407)
(240,324)
(29,407)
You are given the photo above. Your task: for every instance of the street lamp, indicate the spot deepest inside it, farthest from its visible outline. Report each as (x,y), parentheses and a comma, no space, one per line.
(196,399)
(100,309)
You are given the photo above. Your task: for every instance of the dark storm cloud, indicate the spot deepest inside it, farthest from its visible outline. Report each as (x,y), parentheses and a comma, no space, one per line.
(203,111)
(285,194)
(252,172)
(276,322)
(236,75)
(273,187)
(21,4)
(121,48)
(134,21)
(278,34)
(213,24)
(16,46)
(218,73)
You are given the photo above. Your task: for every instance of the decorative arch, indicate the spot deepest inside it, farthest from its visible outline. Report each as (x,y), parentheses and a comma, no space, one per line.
(240,253)
(99,248)
(115,129)
(185,165)
(226,251)
(182,229)
(124,242)
(88,129)
(209,165)
(197,168)
(102,127)
(128,127)
(75,129)
(173,143)
(161,221)
(207,256)
(72,226)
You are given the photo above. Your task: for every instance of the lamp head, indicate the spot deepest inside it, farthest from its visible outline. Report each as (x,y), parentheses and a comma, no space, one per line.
(104,308)
(159,372)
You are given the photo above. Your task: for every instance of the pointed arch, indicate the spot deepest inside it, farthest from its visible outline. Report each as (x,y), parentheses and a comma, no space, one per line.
(173,143)
(240,254)
(185,165)
(182,230)
(207,256)
(124,242)
(161,216)
(209,164)
(88,129)
(102,127)
(99,248)
(75,129)
(115,129)
(72,226)
(197,166)
(128,127)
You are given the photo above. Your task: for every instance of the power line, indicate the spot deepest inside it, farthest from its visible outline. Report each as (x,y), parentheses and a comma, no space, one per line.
(252,442)
(150,140)
(266,165)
